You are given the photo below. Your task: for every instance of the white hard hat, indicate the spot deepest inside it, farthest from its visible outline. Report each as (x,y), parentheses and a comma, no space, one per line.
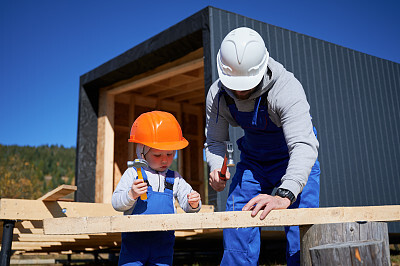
(242,59)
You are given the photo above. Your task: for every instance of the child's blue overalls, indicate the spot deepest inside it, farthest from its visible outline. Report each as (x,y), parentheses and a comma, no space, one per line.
(151,248)
(263,161)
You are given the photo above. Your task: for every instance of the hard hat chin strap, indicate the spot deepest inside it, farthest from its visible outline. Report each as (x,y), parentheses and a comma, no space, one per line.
(142,150)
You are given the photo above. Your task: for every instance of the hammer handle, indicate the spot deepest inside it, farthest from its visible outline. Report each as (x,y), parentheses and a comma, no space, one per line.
(222,174)
(140,176)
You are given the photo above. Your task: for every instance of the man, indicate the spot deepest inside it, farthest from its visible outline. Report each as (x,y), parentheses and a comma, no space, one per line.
(278,150)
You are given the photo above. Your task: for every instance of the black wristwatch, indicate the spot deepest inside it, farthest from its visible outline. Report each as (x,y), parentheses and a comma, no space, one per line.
(284,193)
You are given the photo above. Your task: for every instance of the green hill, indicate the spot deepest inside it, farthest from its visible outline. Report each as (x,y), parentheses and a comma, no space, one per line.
(29,172)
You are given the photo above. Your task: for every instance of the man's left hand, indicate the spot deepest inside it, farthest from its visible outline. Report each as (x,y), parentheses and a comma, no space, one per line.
(266,203)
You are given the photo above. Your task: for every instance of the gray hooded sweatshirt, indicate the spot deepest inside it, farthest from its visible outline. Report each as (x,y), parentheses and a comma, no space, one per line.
(121,201)
(287,108)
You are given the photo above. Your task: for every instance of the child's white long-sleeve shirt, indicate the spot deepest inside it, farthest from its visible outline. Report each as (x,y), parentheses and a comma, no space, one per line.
(121,201)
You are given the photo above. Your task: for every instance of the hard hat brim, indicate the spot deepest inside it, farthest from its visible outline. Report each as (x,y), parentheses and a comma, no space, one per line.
(241,83)
(166,146)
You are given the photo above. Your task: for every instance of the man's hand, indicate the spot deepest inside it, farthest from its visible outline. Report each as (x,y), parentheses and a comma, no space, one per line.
(215,182)
(266,203)
(138,188)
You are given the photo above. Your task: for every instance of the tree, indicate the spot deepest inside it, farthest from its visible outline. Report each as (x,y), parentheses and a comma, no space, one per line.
(20,179)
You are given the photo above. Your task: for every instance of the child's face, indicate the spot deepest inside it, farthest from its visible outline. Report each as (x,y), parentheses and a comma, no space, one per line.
(159,160)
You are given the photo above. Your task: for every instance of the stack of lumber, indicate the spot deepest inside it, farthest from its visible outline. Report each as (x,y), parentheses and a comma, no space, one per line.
(28,234)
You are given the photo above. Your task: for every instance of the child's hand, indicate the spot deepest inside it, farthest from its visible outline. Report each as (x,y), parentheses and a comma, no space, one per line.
(138,188)
(194,199)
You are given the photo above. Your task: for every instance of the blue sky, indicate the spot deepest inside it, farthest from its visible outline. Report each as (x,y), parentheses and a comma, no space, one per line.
(45,46)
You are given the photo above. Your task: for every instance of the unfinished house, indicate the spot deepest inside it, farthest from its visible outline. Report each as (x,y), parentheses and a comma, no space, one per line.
(356,114)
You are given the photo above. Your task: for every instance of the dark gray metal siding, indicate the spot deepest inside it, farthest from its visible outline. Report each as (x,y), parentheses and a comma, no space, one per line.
(354,103)
(86,150)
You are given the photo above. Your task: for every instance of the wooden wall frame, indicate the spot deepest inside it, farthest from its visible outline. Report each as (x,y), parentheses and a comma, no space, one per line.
(176,87)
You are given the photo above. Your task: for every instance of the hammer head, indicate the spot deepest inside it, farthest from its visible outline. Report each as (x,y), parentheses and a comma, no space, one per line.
(137,163)
(229,153)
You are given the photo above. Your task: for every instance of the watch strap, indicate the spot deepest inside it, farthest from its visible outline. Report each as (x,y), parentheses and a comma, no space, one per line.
(285,193)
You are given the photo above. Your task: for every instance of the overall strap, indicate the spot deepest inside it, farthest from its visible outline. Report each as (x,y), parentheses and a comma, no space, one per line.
(228,99)
(260,101)
(169,179)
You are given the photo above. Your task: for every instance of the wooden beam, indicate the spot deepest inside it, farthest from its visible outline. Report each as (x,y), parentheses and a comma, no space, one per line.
(37,210)
(188,96)
(33,245)
(171,72)
(58,193)
(183,89)
(46,238)
(218,220)
(153,89)
(197,100)
(171,65)
(192,109)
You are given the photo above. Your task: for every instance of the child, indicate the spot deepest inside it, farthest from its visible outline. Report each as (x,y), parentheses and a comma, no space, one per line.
(158,136)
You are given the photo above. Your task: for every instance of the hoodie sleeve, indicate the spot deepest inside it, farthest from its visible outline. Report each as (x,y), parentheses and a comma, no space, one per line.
(217,128)
(121,201)
(291,106)
(181,190)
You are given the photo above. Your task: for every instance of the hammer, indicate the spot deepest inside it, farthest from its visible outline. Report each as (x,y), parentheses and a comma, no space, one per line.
(138,164)
(228,160)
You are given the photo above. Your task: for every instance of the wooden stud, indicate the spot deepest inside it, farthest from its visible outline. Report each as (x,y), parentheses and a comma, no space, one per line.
(181,166)
(105,148)
(131,146)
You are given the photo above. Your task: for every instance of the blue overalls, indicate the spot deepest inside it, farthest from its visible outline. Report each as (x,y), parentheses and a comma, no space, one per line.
(263,161)
(150,248)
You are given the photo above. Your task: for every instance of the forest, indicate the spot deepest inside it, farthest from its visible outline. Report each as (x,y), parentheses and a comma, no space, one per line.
(29,172)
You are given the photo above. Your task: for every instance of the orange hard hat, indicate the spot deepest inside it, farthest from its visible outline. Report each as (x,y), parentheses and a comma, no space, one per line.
(159,130)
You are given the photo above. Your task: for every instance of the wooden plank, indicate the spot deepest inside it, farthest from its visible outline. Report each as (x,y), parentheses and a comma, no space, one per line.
(171,72)
(58,193)
(218,220)
(190,95)
(197,100)
(197,54)
(196,85)
(37,210)
(34,245)
(166,105)
(153,88)
(191,109)
(48,238)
